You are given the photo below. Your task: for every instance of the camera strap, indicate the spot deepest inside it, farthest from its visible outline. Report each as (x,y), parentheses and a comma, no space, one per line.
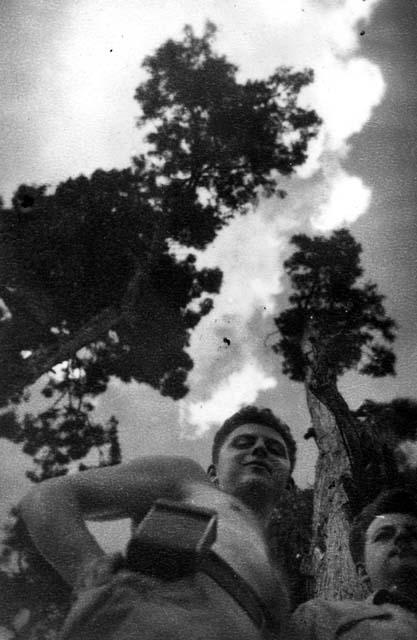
(174,540)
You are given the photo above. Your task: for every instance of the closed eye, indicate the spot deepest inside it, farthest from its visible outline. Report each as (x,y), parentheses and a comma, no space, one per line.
(243,442)
(277,448)
(384,534)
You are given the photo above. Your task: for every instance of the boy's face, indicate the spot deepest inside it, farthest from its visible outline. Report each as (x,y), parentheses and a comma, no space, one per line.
(253,454)
(390,549)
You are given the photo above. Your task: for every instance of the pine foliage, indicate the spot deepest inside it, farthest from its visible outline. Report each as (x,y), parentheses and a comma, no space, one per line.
(343,316)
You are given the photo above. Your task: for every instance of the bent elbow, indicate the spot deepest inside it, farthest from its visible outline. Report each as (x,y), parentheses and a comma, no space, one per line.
(39,503)
(28,507)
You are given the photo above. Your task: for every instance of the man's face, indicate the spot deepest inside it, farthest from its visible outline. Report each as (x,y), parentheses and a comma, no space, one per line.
(390,549)
(253,456)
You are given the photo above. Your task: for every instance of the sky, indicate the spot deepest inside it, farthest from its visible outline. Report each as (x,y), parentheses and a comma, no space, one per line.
(69,72)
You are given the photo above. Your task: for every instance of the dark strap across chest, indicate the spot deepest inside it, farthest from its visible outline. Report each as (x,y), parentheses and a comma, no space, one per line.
(223,574)
(174,540)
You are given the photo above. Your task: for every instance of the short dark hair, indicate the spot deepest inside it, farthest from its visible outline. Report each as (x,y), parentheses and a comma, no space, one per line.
(396,500)
(255,415)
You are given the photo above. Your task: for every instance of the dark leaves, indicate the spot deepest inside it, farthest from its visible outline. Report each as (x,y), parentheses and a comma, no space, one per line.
(342,319)
(212,132)
(382,427)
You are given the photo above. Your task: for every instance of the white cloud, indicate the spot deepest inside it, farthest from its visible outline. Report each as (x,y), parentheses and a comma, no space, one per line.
(239,388)
(344,94)
(342,21)
(248,253)
(348,200)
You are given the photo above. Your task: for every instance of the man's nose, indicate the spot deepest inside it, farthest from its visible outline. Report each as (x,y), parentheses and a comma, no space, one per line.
(259,449)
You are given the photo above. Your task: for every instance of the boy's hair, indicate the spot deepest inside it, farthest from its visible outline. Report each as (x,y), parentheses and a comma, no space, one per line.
(396,500)
(255,415)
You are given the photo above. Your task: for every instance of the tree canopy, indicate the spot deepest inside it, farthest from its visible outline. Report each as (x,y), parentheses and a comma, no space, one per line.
(341,315)
(92,264)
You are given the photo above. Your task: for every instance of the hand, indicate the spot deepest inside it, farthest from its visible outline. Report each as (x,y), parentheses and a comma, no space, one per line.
(98,571)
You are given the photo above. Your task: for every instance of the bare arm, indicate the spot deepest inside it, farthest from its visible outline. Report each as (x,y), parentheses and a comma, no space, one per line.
(55,511)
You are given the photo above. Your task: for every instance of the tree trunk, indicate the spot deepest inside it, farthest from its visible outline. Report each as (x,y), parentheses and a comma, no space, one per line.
(330,562)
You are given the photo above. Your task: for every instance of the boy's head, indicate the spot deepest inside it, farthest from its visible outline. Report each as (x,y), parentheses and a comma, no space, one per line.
(383,538)
(253,456)
(254,415)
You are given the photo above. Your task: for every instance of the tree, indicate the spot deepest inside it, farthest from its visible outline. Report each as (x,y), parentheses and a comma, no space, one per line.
(72,272)
(96,255)
(65,432)
(335,322)
(63,437)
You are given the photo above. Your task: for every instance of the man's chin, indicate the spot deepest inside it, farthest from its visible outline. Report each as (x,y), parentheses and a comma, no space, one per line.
(257,485)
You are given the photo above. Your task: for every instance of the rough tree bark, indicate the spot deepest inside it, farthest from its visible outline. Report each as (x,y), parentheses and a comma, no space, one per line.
(331,565)
(331,569)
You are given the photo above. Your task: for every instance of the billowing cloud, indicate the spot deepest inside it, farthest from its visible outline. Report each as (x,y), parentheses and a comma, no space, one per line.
(239,388)
(348,199)
(344,93)
(248,250)
(250,253)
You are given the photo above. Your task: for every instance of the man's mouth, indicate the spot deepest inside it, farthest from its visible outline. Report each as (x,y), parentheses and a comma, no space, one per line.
(257,464)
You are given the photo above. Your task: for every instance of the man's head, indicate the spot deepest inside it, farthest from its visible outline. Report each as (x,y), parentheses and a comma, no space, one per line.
(254,415)
(383,539)
(253,452)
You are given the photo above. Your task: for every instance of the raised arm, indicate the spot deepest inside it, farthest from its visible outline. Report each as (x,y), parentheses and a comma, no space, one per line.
(55,511)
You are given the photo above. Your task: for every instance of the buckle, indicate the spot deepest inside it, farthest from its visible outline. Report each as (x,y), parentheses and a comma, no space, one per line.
(172,540)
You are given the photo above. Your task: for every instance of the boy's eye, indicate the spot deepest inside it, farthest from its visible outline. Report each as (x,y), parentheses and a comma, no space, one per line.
(277,448)
(384,534)
(380,536)
(243,442)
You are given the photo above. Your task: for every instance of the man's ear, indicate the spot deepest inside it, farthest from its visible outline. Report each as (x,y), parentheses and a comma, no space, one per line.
(212,474)
(363,576)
